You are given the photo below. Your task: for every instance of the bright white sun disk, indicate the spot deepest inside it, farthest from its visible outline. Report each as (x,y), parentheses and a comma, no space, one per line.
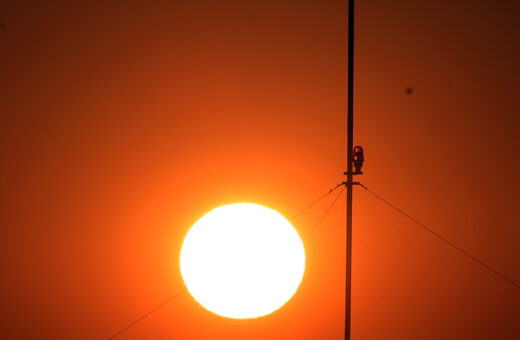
(242,260)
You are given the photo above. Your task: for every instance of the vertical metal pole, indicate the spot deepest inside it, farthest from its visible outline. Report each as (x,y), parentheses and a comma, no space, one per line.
(350,147)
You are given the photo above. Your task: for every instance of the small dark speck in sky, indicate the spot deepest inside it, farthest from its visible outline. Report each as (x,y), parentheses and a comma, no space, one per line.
(2,26)
(409,90)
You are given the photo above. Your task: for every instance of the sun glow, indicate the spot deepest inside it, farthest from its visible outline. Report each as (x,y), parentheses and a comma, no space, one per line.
(242,260)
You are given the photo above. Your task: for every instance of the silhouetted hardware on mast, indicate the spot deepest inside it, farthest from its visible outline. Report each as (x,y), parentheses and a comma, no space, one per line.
(358,157)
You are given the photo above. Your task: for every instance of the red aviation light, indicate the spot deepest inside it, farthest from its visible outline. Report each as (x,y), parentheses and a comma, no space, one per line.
(358,157)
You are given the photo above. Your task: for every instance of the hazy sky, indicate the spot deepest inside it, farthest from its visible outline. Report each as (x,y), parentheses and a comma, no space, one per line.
(123,122)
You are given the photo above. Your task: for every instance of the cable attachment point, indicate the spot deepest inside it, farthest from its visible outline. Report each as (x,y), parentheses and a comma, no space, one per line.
(353,183)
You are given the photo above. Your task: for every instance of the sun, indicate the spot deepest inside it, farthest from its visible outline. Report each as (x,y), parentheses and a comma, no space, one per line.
(242,260)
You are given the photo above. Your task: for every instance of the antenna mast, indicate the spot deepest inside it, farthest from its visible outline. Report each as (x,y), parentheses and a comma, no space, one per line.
(350,147)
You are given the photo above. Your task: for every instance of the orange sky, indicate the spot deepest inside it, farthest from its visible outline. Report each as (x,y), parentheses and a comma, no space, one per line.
(123,122)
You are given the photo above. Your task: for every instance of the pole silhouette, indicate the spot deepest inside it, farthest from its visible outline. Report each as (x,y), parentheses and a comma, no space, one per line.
(350,147)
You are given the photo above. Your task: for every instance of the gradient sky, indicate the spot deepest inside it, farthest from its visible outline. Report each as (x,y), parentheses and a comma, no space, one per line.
(123,122)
